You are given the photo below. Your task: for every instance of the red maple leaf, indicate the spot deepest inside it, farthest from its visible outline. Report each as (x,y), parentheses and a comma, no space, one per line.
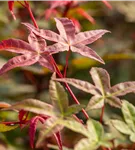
(68,40)
(32,52)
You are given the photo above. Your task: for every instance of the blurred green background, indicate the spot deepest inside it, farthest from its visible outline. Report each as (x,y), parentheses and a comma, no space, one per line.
(116,48)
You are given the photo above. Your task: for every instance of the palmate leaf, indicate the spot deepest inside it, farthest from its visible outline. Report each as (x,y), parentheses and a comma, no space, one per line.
(32,52)
(33,105)
(95,137)
(5,128)
(102,90)
(68,38)
(58,97)
(127,127)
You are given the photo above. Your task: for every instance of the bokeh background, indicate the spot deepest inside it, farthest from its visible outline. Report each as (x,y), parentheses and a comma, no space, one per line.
(116,48)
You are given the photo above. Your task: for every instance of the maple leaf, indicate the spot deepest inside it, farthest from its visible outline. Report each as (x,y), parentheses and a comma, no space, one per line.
(68,40)
(32,52)
(102,90)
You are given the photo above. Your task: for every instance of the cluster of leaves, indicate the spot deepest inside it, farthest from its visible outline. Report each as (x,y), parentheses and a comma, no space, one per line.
(50,119)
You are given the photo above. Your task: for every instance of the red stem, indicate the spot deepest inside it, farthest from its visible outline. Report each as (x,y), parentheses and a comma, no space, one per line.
(31,14)
(66,66)
(102,114)
(58,139)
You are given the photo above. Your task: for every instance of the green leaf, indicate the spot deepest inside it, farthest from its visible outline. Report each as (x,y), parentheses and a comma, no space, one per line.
(58,96)
(73,109)
(5,128)
(128,111)
(86,144)
(95,102)
(74,126)
(121,126)
(33,105)
(95,130)
(101,79)
(132,137)
(50,127)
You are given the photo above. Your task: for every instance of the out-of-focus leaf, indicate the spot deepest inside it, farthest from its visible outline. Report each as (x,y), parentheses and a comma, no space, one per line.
(8,88)
(55,147)
(84,63)
(4,105)
(58,97)
(86,15)
(35,106)
(5,128)
(132,137)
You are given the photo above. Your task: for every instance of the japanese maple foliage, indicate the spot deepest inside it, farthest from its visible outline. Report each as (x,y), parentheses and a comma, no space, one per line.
(67,40)
(32,52)
(102,90)
(57,114)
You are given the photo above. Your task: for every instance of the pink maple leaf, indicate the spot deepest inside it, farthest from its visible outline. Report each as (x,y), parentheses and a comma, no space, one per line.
(32,52)
(68,40)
